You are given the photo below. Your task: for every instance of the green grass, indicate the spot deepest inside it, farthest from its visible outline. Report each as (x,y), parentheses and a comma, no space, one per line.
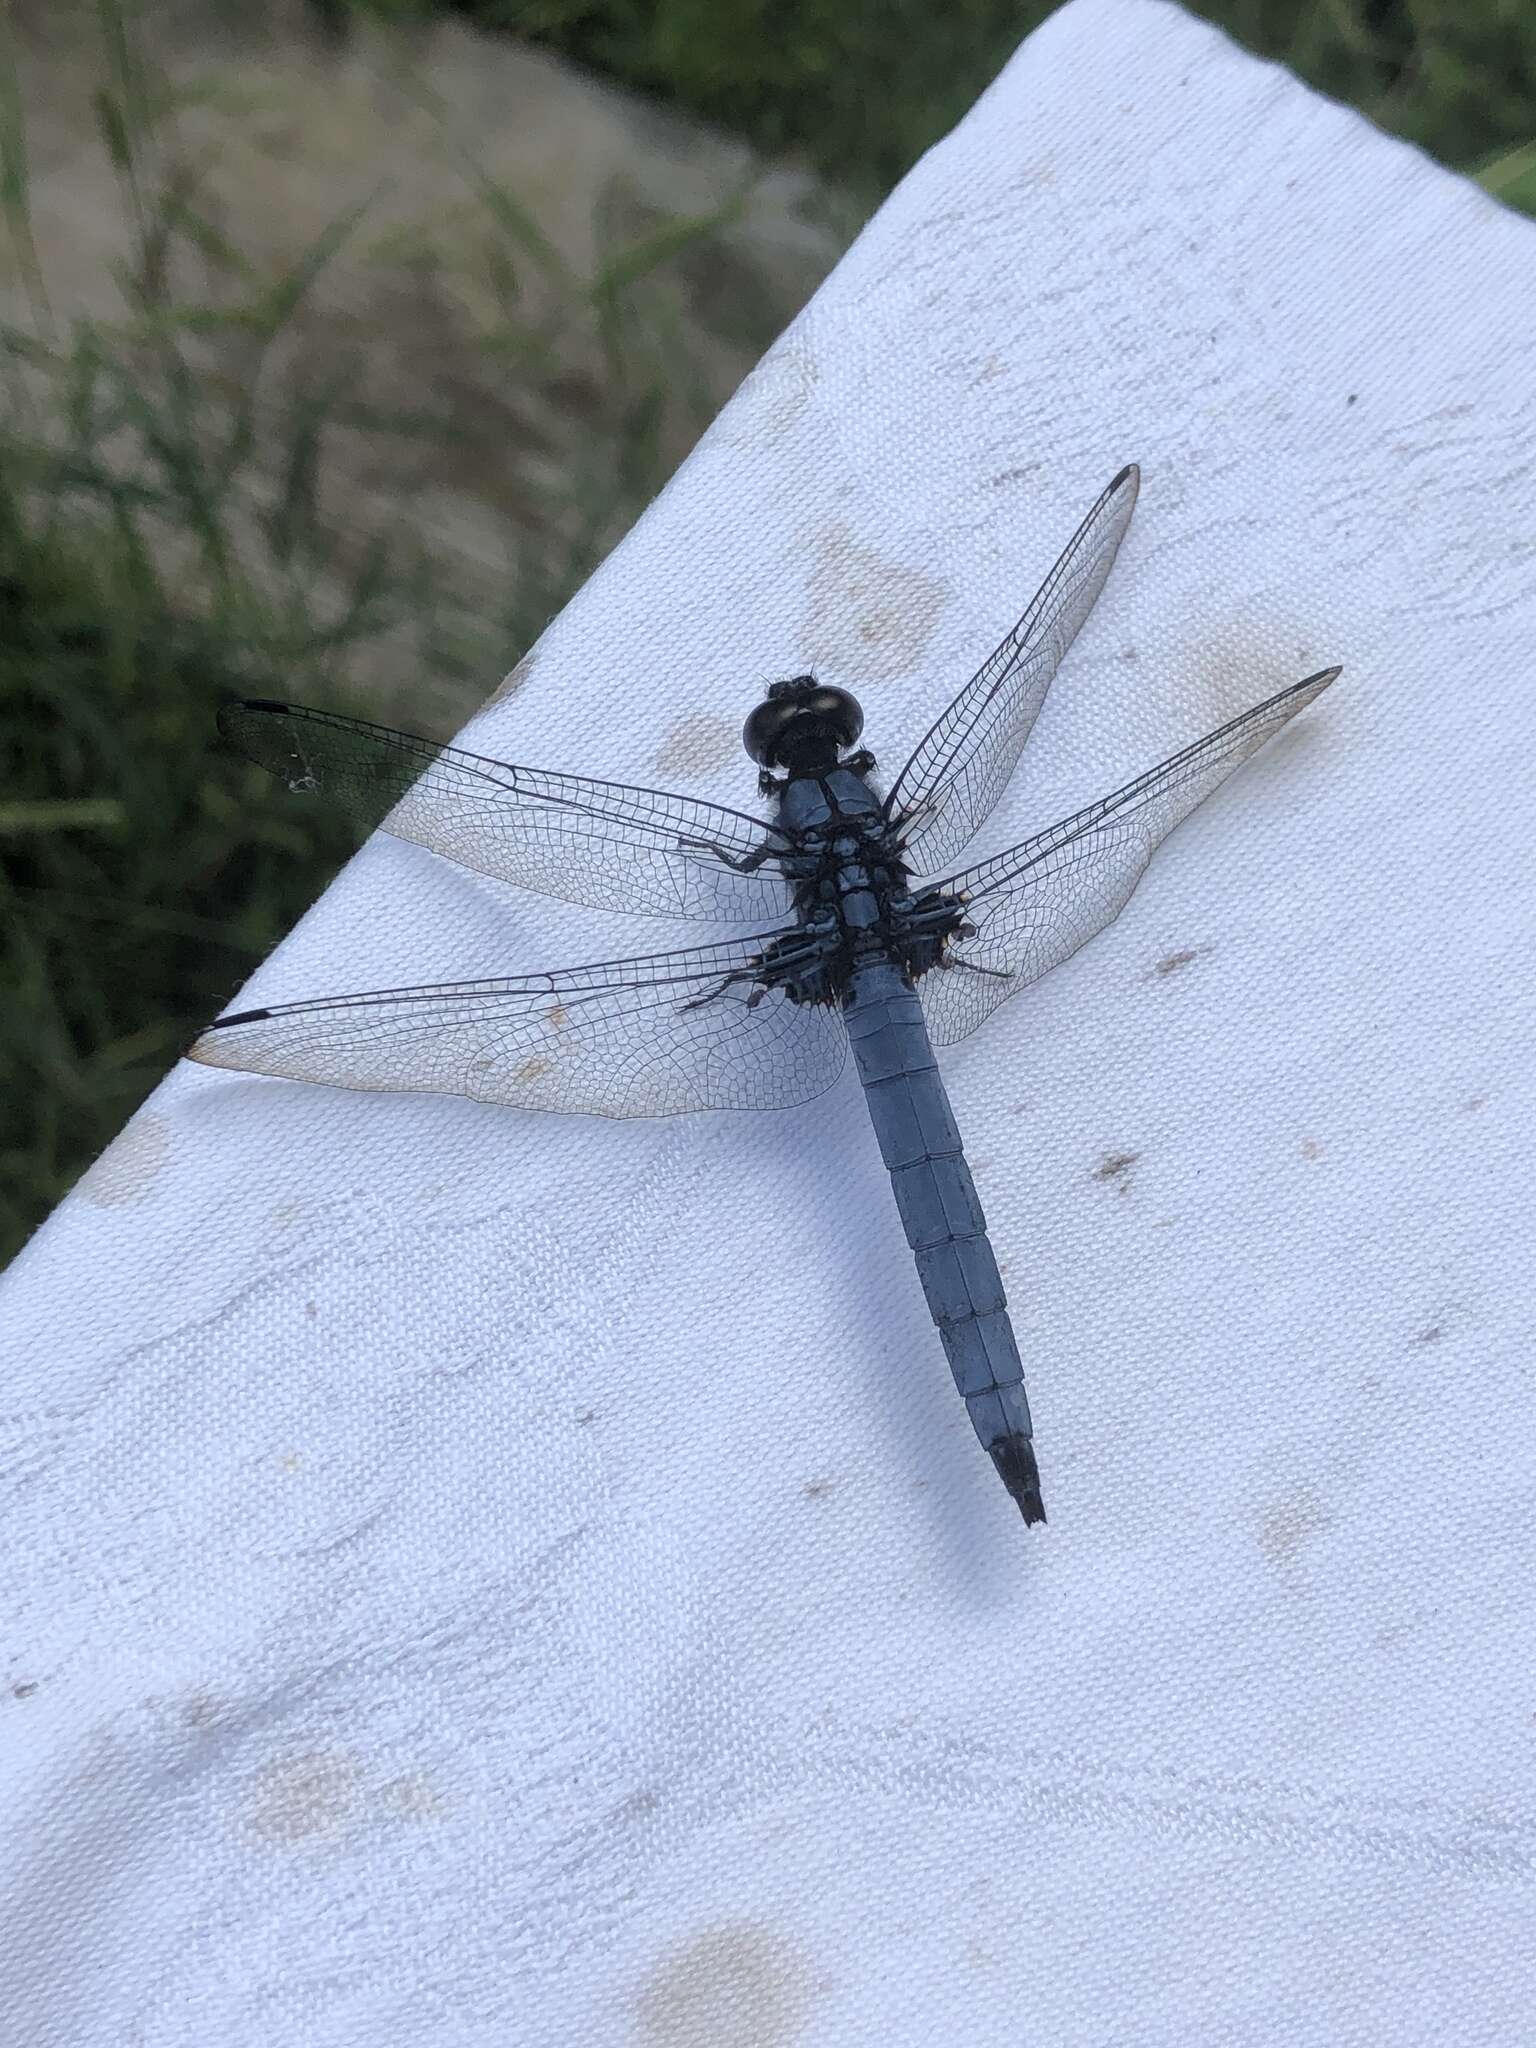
(150,561)
(154,556)
(861,91)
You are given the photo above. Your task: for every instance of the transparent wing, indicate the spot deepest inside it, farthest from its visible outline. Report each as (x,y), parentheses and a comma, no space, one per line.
(598,843)
(962,765)
(1035,905)
(642,1037)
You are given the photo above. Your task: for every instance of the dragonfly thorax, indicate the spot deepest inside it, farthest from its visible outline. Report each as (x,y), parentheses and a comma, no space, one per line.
(845,867)
(836,804)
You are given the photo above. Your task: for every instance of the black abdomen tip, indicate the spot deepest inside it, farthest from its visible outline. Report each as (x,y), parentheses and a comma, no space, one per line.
(1014,1457)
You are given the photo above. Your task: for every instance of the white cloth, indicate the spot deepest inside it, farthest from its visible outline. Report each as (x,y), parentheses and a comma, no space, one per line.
(477,1578)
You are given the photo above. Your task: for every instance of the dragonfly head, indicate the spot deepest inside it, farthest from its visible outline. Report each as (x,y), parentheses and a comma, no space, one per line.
(802,726)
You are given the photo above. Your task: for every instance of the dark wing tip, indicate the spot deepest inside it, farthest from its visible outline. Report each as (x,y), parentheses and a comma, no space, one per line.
(1014,1457)
(231,717)
(1323,678)
(233,704)
(201,1048)
(1132,471)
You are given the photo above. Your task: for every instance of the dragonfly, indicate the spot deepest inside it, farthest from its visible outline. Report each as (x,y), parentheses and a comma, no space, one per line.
(858,951)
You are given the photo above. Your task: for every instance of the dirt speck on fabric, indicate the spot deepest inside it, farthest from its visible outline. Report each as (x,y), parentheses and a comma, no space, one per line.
(738,1984)
(771,401)
(1115,1167)
(1289,1524)
(303,1796)
(869,617)
(411,1796)
(698,745)
(513,680)
(1175,963)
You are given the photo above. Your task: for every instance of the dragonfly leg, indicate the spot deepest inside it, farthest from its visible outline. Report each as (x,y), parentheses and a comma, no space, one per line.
(792,963)
(741,864)
(726,981)
(974,967)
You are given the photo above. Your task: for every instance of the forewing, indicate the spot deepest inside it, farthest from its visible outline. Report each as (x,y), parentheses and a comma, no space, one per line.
(1033,906)
(599,843)
(962,765)
(643,1037)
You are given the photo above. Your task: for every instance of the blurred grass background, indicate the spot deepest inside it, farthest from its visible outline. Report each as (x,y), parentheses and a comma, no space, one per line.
(151,559)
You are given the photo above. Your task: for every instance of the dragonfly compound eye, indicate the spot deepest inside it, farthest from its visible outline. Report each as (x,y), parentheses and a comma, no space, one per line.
(801,716)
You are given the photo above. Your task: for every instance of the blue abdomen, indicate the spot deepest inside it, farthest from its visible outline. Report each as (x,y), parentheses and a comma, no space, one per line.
(943,1219)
